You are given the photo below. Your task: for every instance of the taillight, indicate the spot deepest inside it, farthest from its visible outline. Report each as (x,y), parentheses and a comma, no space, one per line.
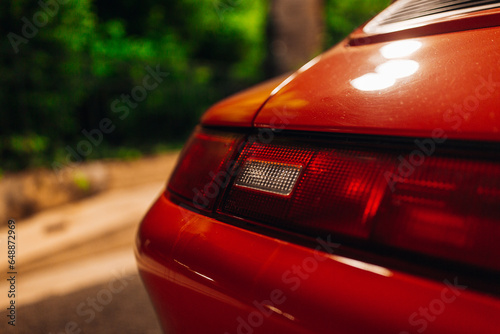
(205,167)
(335,191)
(445,207)
(439,205)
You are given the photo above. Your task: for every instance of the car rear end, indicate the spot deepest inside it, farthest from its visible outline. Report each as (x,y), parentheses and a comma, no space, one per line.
(361,194)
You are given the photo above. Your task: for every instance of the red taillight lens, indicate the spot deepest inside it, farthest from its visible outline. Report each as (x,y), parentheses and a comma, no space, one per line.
(444,207)
(448,208)
(441,206)
(339,190)
(204,168)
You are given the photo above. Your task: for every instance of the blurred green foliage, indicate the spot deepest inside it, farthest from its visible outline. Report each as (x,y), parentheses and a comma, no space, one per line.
(63,65)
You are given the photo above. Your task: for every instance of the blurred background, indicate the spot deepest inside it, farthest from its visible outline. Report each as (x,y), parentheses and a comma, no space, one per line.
(96,99)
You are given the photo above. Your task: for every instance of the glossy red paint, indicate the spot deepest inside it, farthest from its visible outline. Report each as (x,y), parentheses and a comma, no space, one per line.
(240,109)
(454,87)
(205,276)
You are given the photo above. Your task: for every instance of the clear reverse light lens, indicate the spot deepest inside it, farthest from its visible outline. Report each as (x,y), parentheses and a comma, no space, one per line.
(268,176)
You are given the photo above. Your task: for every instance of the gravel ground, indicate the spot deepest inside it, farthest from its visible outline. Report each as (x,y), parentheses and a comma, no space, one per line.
(128,311)
(68,252)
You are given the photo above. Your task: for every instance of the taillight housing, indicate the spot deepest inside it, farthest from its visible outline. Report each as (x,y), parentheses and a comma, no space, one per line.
(444,205)
(339,190)
(205,167)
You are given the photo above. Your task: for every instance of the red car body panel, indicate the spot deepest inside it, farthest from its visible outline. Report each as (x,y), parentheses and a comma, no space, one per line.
(205,276)
(453,90)
(240,109)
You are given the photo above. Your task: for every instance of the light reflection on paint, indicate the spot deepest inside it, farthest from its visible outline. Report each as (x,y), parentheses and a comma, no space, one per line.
(373,81)
(283,84)
(397,69)
(386,74)
(304,68)
(277,310)
(194,271)
(310,64)
(363,266)
(400,49)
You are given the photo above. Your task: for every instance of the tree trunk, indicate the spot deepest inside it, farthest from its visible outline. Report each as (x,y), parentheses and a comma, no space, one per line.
(294,34)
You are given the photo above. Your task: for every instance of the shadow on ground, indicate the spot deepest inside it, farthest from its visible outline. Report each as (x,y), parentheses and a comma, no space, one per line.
(126,312)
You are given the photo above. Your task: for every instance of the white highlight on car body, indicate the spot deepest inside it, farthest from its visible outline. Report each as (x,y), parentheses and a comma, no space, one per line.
(397,69)
(400,49)
(387,73)
(372,82)
(363,265)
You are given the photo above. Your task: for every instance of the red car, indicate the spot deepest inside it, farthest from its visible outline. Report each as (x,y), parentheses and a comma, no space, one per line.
(359,195)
